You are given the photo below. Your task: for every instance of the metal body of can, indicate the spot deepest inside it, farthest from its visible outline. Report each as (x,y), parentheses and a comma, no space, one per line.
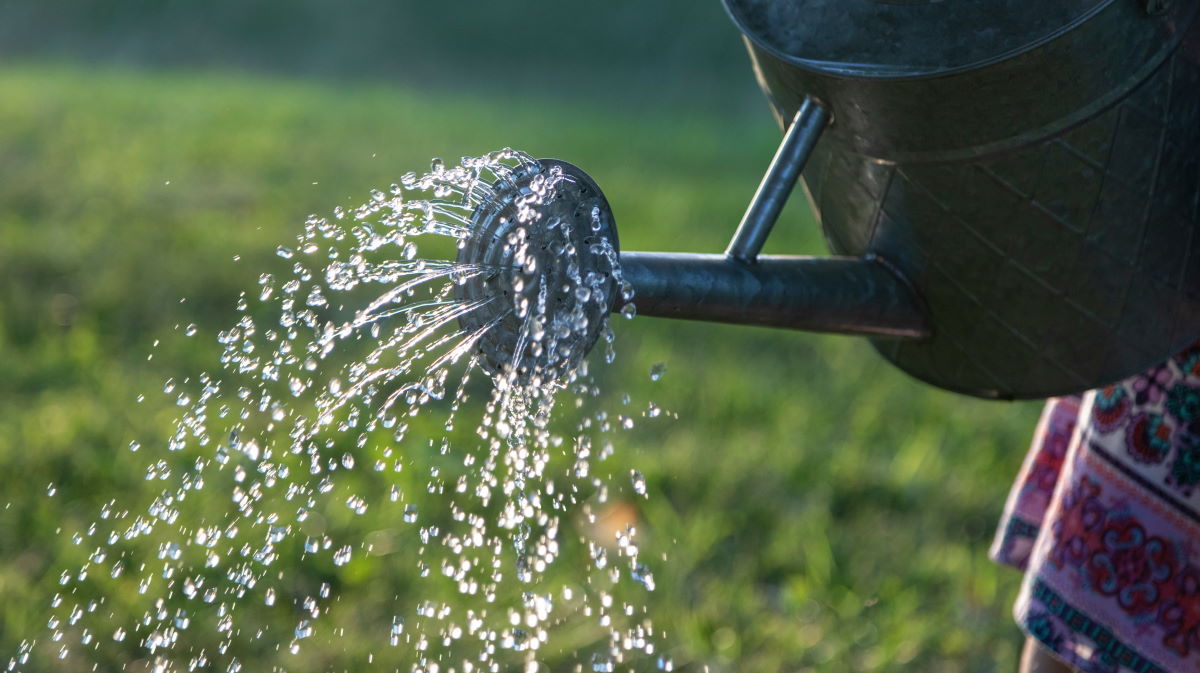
(1032,170)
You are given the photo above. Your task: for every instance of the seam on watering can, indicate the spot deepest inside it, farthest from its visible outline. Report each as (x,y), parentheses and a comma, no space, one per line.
(979,236)
(1114,97)
(1021,336)
(878,214)
(826,164)
(1158,151)
(993,393)
(1001,386)
(1083,115)
(1108,155)
(1000,252)
(1195,214)
(996,394)
(822,67)
(1134,262)
(1074,151)
(909,180)
(1031,275)
(1041,208)
(903,281)
(1066,298)
(1190,210)
(1030,199)
(1187,256)
(1145,214)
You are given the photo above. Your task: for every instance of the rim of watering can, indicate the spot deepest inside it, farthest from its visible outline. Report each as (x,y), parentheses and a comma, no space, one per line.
(869,19)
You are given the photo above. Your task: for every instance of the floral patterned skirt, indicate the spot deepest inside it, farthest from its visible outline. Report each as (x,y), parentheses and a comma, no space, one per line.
(1104,519)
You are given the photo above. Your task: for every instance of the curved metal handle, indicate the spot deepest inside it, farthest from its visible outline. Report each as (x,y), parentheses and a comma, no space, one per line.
(779,181)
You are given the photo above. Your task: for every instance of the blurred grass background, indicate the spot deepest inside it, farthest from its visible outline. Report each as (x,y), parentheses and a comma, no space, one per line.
(818,509)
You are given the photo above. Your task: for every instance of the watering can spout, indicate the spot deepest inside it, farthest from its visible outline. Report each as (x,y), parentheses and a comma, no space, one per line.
(1007,190)
(848,295)
(843,295)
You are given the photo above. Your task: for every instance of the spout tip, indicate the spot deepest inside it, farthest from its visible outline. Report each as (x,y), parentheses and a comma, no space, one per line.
(547,247)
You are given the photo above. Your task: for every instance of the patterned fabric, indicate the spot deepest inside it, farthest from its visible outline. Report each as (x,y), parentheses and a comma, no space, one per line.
(1104,519)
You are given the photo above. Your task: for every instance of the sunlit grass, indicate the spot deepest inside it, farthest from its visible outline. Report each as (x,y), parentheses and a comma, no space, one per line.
(816,508)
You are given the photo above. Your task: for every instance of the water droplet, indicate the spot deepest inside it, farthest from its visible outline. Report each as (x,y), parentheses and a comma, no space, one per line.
(657,370)
(357,504)
(639,482)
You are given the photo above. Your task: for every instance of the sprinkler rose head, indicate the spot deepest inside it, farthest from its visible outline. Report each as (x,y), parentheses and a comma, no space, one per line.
(545,248)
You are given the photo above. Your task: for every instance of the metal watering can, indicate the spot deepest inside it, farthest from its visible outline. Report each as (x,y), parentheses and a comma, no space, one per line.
(1010,190)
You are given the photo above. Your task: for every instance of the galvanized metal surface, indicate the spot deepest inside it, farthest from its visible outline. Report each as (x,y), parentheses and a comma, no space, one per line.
(1039,88)
(841,295)
(1043,203)
(903,38)
(526,259)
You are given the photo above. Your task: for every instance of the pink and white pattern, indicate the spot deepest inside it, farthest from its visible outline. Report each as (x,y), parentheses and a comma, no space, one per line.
(1105,521)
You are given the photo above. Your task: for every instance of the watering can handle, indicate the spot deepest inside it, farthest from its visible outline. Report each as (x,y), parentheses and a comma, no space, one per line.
(844,295)
(779,181)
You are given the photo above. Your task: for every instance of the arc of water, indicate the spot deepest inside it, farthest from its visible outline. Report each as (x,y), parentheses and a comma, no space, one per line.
(441,318)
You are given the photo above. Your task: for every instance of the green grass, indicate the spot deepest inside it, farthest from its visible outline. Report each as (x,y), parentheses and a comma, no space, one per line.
(818,509)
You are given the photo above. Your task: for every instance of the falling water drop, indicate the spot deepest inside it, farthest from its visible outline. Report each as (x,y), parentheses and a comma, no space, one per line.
(639,482)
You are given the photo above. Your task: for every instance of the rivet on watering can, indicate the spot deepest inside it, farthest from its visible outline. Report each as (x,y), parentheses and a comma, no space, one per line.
(1156,7)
